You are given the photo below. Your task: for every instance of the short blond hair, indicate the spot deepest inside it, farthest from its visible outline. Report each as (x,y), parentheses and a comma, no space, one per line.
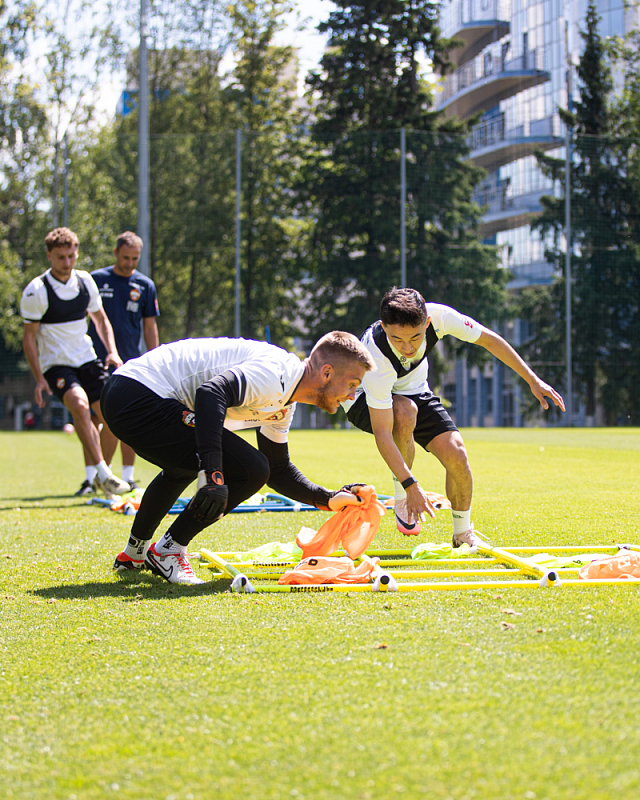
(128,239)
(340,349)
(61,237)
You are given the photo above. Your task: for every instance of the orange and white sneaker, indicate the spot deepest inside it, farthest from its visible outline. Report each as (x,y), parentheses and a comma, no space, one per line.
(471,537)
(173,567)
(409,529)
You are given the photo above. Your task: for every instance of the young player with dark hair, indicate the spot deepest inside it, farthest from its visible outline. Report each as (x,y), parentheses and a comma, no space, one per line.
(54,308)
(178,406)
(396,404)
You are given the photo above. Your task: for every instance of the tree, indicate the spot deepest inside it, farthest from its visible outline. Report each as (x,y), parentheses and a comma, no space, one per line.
(606,278)
(22,140)
(263,101)
(368,88)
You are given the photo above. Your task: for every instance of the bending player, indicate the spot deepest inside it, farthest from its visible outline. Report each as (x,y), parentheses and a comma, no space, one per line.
(396,404)
(177,406)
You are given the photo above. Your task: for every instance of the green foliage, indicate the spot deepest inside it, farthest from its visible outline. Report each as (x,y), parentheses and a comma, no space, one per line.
(293,696)
(605,225)
(368,88)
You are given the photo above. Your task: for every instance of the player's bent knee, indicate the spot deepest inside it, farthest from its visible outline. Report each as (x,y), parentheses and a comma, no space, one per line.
(259,472)
(405,412)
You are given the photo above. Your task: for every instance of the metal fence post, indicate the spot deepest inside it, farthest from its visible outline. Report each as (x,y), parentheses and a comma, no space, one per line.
(403,210)
(143,144)
(567,225)
(238,193)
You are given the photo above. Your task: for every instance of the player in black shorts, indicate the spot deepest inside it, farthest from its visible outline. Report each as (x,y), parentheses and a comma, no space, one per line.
(396,404)
(54,308)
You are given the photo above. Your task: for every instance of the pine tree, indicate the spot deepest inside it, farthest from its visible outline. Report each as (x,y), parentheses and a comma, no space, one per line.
(369,86)
(604,265)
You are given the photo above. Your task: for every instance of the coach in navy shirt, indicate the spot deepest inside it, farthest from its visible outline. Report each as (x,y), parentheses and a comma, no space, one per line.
(131,304)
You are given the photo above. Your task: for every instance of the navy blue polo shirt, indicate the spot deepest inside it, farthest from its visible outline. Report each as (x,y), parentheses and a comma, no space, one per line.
(126,302)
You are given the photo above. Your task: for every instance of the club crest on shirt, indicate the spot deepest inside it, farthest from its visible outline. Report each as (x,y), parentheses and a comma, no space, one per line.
(60,383)
(189,418)
(134,294)
(278,415)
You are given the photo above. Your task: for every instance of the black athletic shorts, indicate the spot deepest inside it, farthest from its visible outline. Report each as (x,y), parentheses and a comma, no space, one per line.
(91,376)
(161,430)
(432,417)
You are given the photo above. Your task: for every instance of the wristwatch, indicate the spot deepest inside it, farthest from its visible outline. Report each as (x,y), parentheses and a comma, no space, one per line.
(408,482)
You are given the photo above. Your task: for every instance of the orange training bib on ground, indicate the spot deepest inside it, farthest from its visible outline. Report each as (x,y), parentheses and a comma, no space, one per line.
(322,569)
(626,564)
(354,526)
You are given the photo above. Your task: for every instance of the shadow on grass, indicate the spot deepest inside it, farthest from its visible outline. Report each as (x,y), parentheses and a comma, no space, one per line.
(80,500)
(131,590)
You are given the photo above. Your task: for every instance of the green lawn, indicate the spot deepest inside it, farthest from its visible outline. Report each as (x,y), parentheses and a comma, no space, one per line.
(134,689)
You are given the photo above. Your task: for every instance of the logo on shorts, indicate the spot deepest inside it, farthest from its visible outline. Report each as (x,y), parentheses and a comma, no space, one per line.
(189,418)
(134,294)
(60,383)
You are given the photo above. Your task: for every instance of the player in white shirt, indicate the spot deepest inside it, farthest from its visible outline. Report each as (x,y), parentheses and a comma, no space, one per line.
(396,404)
(54,308)
(178,405)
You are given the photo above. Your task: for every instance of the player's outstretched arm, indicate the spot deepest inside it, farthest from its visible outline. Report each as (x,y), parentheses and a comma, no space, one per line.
(105,332)
(418,504)
(31,353)
(503,351)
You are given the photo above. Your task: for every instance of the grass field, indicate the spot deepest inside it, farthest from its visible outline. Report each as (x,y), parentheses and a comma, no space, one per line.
(135,689)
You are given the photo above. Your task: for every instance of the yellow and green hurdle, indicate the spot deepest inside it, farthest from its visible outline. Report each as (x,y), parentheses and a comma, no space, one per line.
(396,568)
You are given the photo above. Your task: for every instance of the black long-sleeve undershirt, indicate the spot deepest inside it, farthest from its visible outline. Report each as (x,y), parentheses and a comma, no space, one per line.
(213,399)
(286,478)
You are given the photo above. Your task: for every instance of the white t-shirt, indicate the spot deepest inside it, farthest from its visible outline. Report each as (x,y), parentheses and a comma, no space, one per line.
(267,376)
(60,343)
(384,382)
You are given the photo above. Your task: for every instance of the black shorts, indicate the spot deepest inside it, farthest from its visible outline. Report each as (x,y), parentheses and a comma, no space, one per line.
(161,430)
(432,417)
(91,376)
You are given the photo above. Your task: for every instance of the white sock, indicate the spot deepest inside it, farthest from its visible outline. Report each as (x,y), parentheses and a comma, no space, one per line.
(398,492)
(137,548)
(103,470)
(90,473)
(165,545)
(127,473)
(461,521)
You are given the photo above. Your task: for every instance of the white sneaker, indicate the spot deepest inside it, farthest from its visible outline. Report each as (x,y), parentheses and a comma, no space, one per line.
(471,537)
(174,567)
(112,486)
(400,509)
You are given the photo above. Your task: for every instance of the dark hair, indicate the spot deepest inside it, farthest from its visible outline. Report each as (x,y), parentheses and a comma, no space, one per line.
(403,307)
(128,239)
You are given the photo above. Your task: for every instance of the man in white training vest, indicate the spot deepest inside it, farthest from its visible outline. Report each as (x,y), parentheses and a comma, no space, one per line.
(396,404)
(178,405)
(54,308)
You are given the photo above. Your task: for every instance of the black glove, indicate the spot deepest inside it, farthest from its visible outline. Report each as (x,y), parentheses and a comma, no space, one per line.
(210,500)
(348,487)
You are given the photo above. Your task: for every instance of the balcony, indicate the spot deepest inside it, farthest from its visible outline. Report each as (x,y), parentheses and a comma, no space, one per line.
(504,212)
(492,146)
(474,21)
(539,273)
(486,80)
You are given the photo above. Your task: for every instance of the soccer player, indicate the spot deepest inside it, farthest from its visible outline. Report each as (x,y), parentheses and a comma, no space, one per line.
(54,308)
(130,302)
(178,406)
(396,404)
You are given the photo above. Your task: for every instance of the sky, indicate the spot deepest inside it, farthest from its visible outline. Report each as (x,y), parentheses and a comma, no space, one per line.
(309,42)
